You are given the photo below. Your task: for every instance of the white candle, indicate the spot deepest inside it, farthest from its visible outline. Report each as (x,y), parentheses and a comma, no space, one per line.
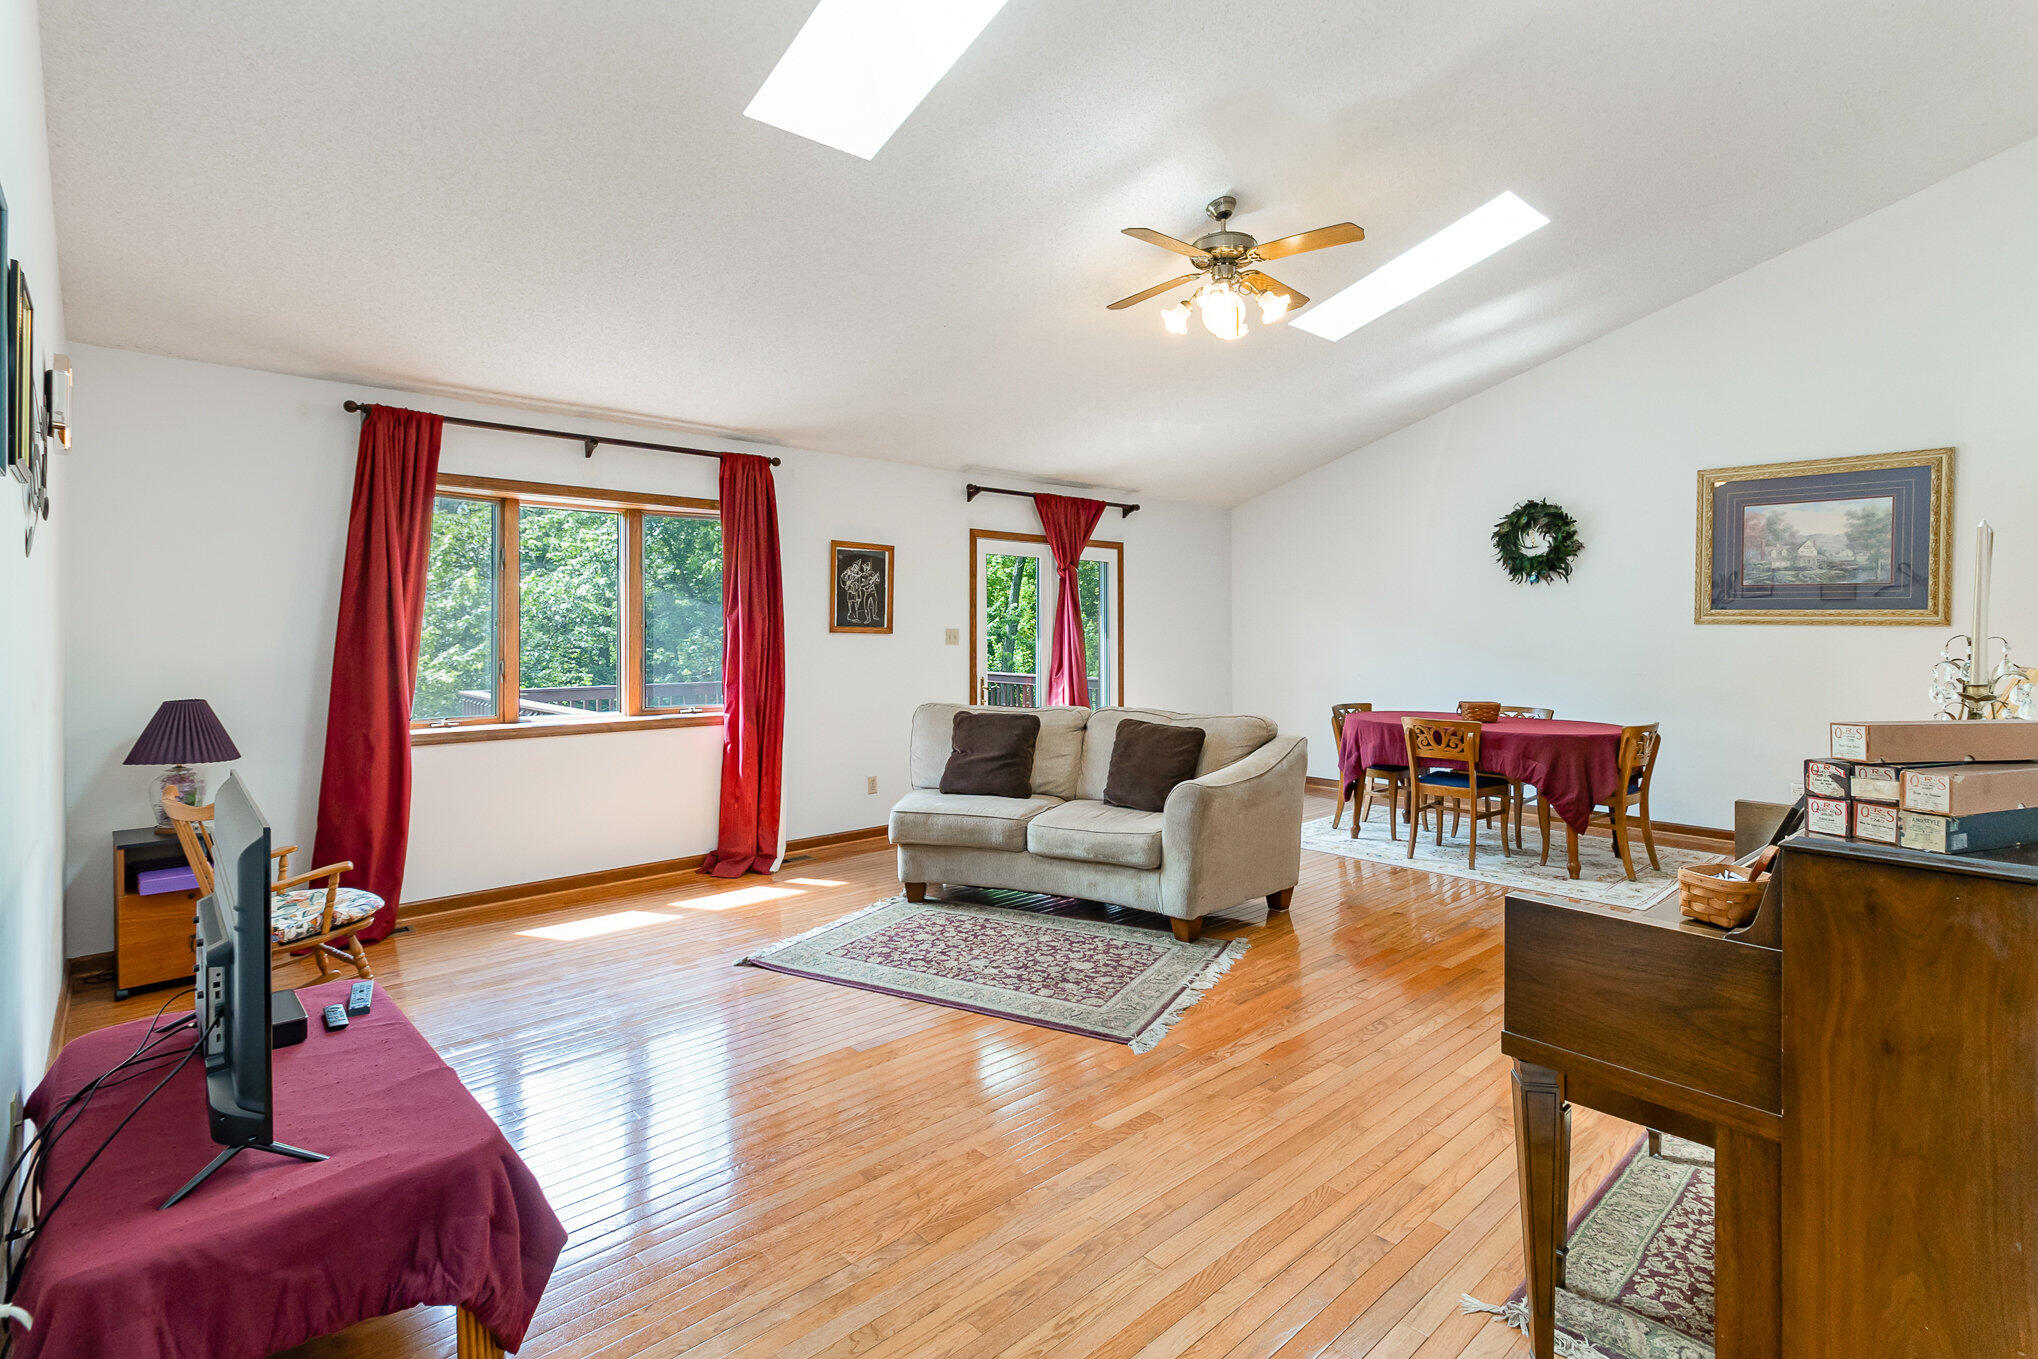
(1984,549)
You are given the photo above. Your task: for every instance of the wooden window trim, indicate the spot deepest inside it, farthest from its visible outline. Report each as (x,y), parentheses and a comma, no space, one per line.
(509,496)
(978,536)
(499,731)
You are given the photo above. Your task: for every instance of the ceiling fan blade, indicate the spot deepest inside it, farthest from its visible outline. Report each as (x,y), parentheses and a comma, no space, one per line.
(1152,237)
(1344,233)
(1155,291)
(1260,283)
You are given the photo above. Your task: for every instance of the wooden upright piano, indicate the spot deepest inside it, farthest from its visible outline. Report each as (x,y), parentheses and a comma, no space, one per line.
(1862,1057)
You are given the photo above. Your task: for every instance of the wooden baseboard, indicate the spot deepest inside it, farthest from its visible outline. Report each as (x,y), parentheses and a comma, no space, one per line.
(62,1019)
(631,877)
(1317,785)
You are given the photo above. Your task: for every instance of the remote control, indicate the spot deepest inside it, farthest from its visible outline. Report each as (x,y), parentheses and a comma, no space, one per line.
(359,997)
(336,1017)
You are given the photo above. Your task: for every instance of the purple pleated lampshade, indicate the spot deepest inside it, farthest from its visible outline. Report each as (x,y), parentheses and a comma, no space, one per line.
(183,731)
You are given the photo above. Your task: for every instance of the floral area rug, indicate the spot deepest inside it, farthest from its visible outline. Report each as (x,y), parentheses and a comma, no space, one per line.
(1601,877)
(1638,1281)
(1122,983)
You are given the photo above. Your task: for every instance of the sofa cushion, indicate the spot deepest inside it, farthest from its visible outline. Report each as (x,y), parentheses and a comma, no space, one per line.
(1057,752)
(1147,760)
(1226,741)
(1098,833)
(926,817)
(992,755)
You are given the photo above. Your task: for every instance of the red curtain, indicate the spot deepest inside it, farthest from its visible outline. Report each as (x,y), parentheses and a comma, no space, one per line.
(364,787)
(1068,522)
(753,671)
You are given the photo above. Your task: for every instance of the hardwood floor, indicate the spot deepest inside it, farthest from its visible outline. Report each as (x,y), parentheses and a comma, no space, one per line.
(1318,1159)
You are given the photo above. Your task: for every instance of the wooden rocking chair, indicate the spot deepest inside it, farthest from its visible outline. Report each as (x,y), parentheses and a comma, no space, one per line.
(302,920)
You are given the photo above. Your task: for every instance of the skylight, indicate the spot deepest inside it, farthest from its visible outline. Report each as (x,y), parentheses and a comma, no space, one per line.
(859,67)
(1416,270)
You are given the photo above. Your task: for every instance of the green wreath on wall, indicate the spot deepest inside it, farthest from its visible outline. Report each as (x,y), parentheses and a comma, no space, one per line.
(1536,542)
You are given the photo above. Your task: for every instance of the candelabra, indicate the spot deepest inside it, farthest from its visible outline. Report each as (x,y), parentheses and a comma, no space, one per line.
(1966,686)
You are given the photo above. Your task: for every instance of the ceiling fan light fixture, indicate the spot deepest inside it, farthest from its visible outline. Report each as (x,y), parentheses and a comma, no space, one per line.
(1176,318)
(1223,311)
(1273,307)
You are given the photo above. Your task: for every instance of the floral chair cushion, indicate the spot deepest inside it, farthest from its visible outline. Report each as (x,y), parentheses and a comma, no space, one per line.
(296,914)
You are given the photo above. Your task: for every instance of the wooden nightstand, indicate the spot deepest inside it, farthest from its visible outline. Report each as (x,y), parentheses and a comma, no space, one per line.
(152,935)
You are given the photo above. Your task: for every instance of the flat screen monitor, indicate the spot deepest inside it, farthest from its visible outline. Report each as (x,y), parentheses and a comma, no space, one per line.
(233,986)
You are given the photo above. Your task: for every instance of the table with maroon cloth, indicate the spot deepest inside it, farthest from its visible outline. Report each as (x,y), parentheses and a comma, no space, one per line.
(422,1202)
(1573,766)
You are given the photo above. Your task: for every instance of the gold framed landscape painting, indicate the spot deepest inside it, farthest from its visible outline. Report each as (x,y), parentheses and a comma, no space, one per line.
(1832,540)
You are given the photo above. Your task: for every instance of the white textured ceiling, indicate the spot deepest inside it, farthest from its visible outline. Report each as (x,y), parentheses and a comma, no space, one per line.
(563,203)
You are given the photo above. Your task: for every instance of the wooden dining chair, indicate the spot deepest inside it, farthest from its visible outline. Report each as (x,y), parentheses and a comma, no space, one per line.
(1376,780)
(1639,747)
(1338,713)
(1520,801)
(1431,739)
(302,919)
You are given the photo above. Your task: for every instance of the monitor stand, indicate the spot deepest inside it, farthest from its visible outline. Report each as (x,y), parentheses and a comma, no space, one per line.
(276,1148)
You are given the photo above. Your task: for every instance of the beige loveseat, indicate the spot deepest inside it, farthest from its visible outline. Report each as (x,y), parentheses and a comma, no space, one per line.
(1231,834)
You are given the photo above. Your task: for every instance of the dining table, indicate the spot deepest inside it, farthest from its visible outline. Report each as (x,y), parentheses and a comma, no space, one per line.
(1573,766)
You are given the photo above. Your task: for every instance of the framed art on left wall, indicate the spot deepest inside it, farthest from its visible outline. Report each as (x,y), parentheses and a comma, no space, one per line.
(859,587)
(20,377)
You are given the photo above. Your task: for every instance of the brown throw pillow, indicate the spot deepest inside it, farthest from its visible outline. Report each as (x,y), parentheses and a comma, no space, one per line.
(1147,760)
(992,754)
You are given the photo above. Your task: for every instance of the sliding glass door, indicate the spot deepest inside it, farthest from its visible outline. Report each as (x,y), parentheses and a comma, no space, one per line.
(1016,588)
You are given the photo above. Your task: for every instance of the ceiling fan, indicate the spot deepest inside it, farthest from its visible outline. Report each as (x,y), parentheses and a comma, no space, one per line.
(1223,261)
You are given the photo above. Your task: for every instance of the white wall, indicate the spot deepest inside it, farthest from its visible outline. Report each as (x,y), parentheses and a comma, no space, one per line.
(31,768)
(1916,327)
(204,561)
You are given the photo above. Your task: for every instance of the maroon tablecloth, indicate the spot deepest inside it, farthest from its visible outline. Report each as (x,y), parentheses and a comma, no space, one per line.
(423,1202)
(1574,766)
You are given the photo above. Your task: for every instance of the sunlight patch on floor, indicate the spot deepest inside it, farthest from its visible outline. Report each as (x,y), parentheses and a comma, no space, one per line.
(594,926)
(729,901)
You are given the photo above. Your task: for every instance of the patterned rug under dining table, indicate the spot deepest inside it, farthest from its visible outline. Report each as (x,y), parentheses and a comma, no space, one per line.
(1573,766)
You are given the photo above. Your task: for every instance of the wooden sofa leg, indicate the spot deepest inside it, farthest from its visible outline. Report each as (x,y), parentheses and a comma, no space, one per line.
(1188,931)
(1279,900)
(916,891)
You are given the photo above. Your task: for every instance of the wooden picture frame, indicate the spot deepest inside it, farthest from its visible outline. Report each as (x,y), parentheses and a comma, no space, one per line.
(6,348)
(1830,540)
(860,587)
(20,374)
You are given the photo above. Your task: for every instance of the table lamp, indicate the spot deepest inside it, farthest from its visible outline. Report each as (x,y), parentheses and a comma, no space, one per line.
(184,732)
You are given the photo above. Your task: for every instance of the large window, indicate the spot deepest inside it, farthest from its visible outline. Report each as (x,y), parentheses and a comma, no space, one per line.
(557,608)
(1013,586)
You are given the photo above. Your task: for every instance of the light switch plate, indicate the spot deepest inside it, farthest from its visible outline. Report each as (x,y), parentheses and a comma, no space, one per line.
(954,637)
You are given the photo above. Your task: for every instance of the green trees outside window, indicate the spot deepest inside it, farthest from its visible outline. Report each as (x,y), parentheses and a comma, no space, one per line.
(571,575)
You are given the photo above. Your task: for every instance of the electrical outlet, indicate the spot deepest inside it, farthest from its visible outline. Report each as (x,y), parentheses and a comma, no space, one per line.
(954,637)
(870,784)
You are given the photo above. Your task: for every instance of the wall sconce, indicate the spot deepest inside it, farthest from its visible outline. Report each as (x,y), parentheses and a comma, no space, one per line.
(57,399)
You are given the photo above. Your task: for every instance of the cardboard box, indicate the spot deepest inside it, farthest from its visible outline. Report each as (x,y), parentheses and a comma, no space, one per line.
(1966,834)
(1827,778)
(1882,783)
(1875,822)
(1935,742)
(1970,789)
(1826,816)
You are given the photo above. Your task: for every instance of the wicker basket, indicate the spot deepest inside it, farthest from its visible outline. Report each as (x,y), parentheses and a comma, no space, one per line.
(1717,894)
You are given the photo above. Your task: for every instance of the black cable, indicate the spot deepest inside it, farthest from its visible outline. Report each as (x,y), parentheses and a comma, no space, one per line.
(43,1218)
(34,1155)
(49,1131)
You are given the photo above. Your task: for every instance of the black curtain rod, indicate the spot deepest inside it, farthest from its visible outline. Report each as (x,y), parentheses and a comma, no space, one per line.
(586,441)
(972,491)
